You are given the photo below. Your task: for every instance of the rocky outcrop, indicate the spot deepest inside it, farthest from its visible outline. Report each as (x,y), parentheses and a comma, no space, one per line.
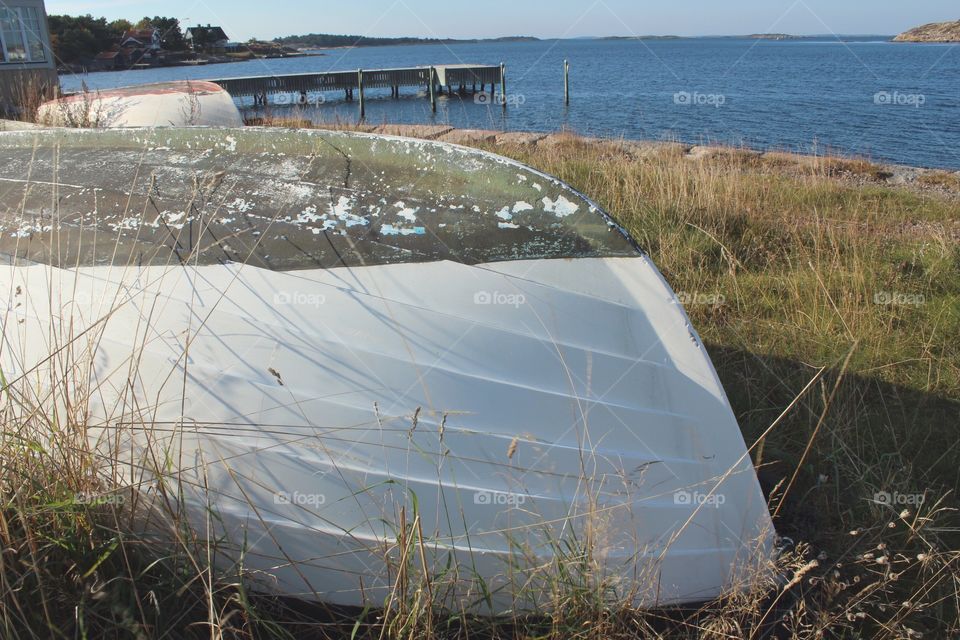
(935,32)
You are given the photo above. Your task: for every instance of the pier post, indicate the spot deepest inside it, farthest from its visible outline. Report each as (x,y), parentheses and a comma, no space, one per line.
(433,90)
(363,110)
(566,82)
(503,85)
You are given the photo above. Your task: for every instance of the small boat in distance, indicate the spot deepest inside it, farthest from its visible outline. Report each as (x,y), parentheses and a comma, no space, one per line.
(322,346)
(166,104)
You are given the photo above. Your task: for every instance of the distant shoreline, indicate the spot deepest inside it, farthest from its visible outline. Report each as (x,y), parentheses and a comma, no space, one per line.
(74,69)
(774,37)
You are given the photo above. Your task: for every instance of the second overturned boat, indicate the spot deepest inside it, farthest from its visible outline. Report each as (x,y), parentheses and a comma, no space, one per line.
(323,343)
(164,104)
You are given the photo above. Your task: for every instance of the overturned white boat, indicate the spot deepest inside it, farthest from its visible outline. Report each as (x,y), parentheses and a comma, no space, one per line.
(325,345)
(181,103)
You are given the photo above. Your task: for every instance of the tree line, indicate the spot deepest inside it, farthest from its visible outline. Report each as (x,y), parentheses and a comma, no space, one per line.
(327,40)
(77,39)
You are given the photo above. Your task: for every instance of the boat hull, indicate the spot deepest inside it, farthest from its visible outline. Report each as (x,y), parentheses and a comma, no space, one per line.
(334,354)
(511,408)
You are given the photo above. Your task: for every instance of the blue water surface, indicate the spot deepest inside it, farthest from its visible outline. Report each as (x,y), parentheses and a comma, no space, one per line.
(868,97)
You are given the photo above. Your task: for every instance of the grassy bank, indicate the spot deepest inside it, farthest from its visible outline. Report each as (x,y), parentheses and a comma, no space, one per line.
(830,300)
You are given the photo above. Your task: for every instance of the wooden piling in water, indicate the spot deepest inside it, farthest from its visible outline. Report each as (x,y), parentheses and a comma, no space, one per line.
(566,82)
(433,89)
(363,109)
(503,84)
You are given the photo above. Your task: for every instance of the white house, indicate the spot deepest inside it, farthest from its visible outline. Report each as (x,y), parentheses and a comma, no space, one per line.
(26,59)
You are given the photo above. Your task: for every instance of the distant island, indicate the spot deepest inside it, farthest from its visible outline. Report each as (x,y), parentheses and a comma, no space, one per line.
(752,36)
(331,41)
(934,32)
(773,36)
(641,38)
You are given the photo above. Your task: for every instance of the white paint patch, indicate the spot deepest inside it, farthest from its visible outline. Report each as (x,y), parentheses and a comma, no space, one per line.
(308,215)
(508,225)
(390,230)
(561,206)
(240,205)
(127,223)
(504,214)
(354,220)
(537,187)
(26,230)
(293,191)
(408,214)
(342,208)
(522,206)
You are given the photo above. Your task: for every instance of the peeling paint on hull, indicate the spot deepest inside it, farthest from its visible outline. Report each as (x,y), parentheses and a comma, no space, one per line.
(287,200)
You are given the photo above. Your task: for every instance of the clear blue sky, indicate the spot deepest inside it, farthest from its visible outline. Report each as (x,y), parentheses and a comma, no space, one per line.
(244,19)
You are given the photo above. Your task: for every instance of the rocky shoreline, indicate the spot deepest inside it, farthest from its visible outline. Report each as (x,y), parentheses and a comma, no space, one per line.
(934,32)
(853,170)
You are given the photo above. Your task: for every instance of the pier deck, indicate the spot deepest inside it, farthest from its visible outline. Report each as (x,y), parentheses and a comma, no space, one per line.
(450,76)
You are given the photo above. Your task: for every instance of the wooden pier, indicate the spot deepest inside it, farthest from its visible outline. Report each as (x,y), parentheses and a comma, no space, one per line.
(434,79)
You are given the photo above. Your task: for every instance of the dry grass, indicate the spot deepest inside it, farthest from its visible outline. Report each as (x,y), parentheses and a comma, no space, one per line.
(786,272)
(28,93)
(941,179)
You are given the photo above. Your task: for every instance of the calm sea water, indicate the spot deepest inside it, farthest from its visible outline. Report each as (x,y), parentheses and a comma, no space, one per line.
(890,102)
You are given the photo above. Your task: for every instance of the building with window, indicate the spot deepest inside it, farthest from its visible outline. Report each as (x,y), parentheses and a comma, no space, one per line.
(26,59)
(208,38)
(142,39)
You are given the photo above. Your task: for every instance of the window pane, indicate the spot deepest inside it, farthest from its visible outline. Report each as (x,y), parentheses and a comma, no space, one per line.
(31,23)
(12,35)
